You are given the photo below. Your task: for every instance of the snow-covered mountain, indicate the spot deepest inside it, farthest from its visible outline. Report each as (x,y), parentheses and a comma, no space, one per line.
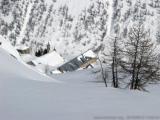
(73,26)
(69,25)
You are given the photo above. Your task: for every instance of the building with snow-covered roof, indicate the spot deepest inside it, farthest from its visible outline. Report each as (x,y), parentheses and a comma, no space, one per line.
(82,61)
(22,49)
(51,59)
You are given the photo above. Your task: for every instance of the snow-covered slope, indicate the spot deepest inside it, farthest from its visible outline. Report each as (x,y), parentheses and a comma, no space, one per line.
(12,69)
(28,95)
(80,98)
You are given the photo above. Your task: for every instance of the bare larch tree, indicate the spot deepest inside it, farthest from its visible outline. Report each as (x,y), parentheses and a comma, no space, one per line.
(115,56)
(140,58)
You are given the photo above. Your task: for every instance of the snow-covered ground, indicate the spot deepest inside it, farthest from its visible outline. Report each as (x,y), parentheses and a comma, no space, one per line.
(27,95)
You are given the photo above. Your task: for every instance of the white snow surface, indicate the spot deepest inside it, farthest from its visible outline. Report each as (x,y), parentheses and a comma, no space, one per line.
(26,95)
(89,53)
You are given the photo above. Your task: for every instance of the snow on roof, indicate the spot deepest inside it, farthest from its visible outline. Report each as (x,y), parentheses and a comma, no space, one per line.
(27,57)
(5,44)
(52,59)
(89,53)
(76,63)
(21,47)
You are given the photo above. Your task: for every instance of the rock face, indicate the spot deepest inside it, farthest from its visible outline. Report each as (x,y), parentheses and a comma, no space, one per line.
(73,26)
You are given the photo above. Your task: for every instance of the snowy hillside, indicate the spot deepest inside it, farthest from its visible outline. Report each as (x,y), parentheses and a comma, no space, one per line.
(79,97)
(12,69)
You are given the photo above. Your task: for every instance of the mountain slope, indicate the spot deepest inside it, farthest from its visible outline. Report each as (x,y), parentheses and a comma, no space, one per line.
(74,26)
(66,25)
(11,68)
(78,98)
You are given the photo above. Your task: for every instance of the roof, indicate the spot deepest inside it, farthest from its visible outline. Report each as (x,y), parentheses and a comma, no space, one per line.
(88,53)
(27,57)
(52,59)
(21,47)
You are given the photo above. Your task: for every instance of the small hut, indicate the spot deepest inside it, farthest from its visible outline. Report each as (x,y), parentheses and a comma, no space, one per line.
(51,59)
(22,49)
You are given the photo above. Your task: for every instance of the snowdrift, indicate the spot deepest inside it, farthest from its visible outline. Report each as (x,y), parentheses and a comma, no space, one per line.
(17,80)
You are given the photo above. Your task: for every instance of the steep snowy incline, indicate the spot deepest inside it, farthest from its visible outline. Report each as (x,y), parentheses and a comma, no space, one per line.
(12,69)
(79,98)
